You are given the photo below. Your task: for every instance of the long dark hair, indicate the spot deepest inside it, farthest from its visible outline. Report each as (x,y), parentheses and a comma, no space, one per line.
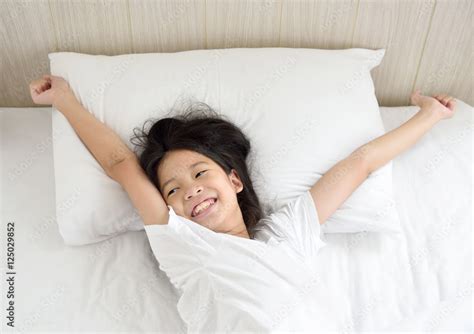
(201,129)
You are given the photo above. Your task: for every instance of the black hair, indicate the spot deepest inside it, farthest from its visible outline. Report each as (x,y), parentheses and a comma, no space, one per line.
(201,129)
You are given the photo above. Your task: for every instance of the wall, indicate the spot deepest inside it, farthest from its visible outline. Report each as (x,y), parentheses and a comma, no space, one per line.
(428,42)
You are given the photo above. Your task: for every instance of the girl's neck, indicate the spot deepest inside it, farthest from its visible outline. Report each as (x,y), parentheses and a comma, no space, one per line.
(243,234)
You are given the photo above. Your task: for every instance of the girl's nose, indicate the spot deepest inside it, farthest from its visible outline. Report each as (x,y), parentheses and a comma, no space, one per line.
(193,191)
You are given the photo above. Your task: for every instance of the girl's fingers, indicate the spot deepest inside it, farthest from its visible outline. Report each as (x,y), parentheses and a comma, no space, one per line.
(35,85)
(445,99)
(451,104)
(449,98)
(442,98)
(40,85)
(38,82)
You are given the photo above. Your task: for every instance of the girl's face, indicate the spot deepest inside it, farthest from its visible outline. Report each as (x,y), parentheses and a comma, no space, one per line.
(188,178)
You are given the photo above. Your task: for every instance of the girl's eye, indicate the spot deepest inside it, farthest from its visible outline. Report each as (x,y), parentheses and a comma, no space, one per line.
(196,176)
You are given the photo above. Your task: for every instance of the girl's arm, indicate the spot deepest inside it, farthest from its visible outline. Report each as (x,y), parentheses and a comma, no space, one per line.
(106,146)
(340,181)
(103,143)
(384,148)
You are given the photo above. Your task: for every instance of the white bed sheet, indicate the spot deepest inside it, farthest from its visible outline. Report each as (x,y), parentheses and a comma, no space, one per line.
(418,281)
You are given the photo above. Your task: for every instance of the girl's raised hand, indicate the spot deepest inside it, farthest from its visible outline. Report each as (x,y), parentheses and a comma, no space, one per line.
(50,89)
(442,104)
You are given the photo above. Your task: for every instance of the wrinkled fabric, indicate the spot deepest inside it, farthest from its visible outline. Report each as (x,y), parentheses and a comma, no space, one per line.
(230,283)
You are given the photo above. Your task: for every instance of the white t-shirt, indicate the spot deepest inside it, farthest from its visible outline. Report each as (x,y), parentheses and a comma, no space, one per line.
(228,283)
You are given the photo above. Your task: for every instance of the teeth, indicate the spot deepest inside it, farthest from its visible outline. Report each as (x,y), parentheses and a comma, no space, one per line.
(203,206)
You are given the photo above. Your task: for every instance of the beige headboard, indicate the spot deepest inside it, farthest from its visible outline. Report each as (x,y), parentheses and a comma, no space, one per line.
(428,42)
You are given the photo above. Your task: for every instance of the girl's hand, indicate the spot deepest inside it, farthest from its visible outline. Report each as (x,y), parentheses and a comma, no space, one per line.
(51,90)
(442,105)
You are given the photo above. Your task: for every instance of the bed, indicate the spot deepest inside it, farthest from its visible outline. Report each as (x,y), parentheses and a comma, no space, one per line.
(418,281)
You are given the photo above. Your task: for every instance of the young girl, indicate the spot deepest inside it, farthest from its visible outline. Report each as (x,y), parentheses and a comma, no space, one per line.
(235,268)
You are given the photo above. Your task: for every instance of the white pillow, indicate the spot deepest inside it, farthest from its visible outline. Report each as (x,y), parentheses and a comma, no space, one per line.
(303,110)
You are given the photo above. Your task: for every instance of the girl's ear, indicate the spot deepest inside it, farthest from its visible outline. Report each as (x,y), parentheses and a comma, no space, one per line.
(236,182)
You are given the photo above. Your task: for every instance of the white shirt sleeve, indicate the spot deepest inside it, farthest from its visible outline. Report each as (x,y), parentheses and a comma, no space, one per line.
(297,223)
(179,249)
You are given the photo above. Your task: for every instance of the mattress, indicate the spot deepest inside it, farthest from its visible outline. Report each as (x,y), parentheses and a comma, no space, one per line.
(420,280)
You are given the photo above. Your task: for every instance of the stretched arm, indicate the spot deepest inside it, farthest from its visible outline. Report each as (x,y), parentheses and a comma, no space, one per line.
(384,148)
(117,160)
(340,181)
(103,143)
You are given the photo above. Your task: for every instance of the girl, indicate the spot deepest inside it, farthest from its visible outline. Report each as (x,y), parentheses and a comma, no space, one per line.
(235,267)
